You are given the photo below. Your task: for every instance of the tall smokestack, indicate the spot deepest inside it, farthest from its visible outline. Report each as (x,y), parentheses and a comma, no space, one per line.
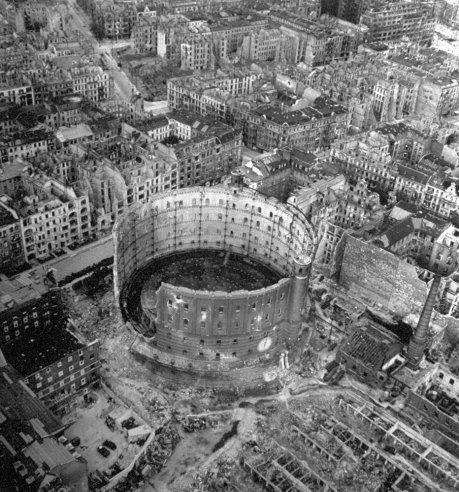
(302,265)
(418,340)
(442,263)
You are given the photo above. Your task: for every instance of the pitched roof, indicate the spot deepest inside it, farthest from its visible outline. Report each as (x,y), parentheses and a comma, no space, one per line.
(371,344)
(49,452)
(399,231)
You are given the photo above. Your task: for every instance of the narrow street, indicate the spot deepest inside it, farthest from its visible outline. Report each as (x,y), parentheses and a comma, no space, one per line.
(80,21)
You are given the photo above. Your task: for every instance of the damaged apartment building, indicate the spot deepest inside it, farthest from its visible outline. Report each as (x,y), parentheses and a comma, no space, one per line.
(383,87)
(193,42)
(209,93)
(392,21)
(180,150)
(54,362)
(50,215)
(312,127)
(331,203)
(316,42)
(266,125)
(401,162)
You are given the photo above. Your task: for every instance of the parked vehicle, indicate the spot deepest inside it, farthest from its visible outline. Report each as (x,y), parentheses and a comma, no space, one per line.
(110,423)
(109,444)
(76,441)
(103,451)
(129,423)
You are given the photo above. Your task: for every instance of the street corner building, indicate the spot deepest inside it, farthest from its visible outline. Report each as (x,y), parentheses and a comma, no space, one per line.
(214,280)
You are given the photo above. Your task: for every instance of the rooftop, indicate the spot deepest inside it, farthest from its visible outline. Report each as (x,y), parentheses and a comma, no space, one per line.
(153,123)
(326,26)
(79,131)
(199,123)
(7,216)
(412,173)
(22,288)
(26,137)
(371,344)
(402,210)
(320,109)
(398,231)
(38,349)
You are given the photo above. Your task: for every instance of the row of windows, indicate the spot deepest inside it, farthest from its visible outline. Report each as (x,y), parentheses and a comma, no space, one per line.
(217,355)
(221,309)
(72,387)
(203,324)
(39,376)
(219,243)
(219,341)
(221,202)
(60,375)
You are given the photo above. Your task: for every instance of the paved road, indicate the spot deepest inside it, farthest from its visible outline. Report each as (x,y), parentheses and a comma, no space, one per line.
(79,259)
(80,21)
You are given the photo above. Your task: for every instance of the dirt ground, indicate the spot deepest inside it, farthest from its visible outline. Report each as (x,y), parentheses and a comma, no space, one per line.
(188,456)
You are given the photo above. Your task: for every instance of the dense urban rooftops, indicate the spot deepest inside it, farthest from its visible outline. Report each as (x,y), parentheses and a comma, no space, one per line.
(300,116)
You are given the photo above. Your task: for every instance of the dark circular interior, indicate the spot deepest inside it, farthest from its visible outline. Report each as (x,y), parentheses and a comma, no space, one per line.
(211,270)
(199,270)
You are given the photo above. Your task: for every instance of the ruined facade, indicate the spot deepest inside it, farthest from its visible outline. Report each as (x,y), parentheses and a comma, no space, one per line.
(379,277)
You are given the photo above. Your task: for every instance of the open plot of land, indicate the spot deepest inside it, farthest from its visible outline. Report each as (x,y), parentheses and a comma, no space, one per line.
(90,427)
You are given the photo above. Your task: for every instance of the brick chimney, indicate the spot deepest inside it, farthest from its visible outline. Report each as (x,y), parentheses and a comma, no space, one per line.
(442,263)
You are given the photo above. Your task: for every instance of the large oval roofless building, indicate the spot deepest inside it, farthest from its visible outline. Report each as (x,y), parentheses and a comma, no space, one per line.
(214,280)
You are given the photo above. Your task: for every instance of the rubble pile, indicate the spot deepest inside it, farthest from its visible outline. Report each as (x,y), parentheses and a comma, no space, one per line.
(218,478)
(153,460)
(193,424)
(95,317)
(162,447)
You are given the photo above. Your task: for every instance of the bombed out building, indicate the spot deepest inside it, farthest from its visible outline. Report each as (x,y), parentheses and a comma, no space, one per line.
(53,361)
(215,280)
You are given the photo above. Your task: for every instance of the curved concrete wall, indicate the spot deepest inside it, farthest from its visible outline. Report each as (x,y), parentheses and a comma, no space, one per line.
(209,218)
(225,327)
(221,325)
